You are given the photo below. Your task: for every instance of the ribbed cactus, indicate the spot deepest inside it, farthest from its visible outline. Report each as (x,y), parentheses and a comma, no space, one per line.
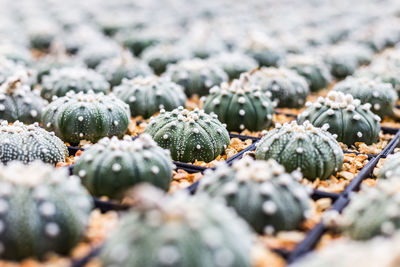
(261,192)
(234,63)
(375,211)
(19,102)
(312,69)
(60,81)
(41,210)
(93,53)
(391,166)
(387,74)
(179,230)
(90,116)
(196,76)
(241,105)
(112,166)
(264,49)
(146,96)
(345,117)
(27,143)
(189,135)
(287,87)
(381,96)
(46,64)
(313,151)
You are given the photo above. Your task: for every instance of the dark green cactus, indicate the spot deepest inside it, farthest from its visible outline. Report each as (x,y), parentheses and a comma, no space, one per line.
(146,96)
(27,143)
(90,116)
(42,210)
(264,49)
(345,117)
(234,63)
(179,230)
(391,166)
(112,166)
(189,135)
(261,192)
(196,76)
(287,87)
(313,151)
(60,81)
(241,105)
(381,96)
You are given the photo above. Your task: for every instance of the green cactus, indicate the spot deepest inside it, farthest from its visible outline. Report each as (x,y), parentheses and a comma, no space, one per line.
(112,166)
(196,76)
(27,143)
(95,52)
(391,167)
(179,230)
(46,64)
(189,135)
(264,49)
(312,69)
(234,63)
(313,151)
(381,96)
(9,68)
(261,192)
(42,210)
(60,81)
(287,87)
(344,117)
(241,105)
(79,116)
(146,96)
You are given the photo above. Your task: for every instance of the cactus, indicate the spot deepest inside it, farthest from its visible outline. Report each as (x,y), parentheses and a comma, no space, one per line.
(41,33)
(60,81)
(391,166)
(148,95)
(345,117)
(98,50)
(9,68)
(234,63)
(196,76)
(261,192)
(313,151)
(264,49)
(312,69)
(46,64)
(189,135)
(79,116)
(111,166)
(287,87)
(242,105)
(179,230)
(27,143)
(375,211)
(19,102)
(42,210)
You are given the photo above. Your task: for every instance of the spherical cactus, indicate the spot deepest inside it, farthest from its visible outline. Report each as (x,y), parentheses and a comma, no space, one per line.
(344,117)
(90,116)
(375,211)
(112,166)
(179,231)
(46,64)
(19,102)
(60,81)
(27,143)
(264,49)
(391,167)
(196,76)
(42,210)
(146,96)
(269,199)
(381,96)
(234,63)
(97,51)
(287,87)
(189,135)
(242,105)
(9,68)
(312,69)
(313,151)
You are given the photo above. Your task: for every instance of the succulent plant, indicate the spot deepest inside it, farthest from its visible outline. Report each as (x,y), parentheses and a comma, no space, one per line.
(189,135)
(179,230)
(312,69)
(46,64)
(42,210)
(196,76)
(241,105)
(313,151)
(60,81)
(9,68)
(264,49)
(79,116)
(146,96)
(391,167)
(234,63)
(112,166)
(287,87)
(381,96)
(345,117)
(41,33)
(261,192)
(97,51)
(27,143)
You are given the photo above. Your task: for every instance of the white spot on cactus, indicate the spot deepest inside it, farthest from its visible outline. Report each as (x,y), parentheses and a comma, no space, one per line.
(269,230)
(82,173)
(116,167)
(359,134)
(155,169)
(168,255)
(242,112)
(115,123)
(34,113)
(52,229)
(198,146)
(47,209)
(299,150)
(196,130)
(269,207)
(165,136)
(80,118)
